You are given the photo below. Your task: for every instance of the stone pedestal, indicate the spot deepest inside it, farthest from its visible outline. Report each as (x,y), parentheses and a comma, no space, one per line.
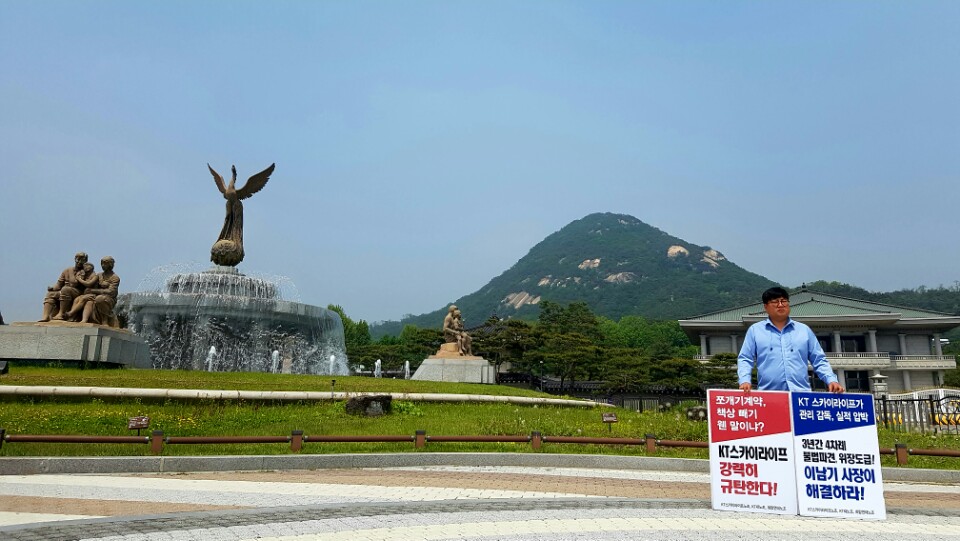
(66,342)
(462,369)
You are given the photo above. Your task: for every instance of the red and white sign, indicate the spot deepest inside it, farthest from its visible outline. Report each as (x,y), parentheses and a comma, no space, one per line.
(751,451)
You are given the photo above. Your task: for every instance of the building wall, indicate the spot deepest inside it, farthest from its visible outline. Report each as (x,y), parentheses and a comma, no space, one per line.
(921,379)
(888,343)
(894,381)
(721,344)
(918,344)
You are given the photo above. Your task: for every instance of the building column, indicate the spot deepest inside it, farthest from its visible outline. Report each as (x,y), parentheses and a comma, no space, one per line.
(937,347)
(837,347)
(733,344)
(903,343)
(841,376)
(872,340)
(703,344)
(906,379)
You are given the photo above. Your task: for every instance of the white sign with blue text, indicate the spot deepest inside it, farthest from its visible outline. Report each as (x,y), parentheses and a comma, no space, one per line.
(837,456)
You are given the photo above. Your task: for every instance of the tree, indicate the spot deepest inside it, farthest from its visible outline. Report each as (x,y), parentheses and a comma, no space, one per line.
(578,319)
(551,317)
(419,343)
(413,346)
(625,370)
(721,370)
(355,334)
(681,374)
(519,338)
(565,355)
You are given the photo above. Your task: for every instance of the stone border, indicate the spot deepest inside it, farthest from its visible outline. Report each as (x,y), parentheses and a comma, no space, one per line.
(179,464)
(221,394)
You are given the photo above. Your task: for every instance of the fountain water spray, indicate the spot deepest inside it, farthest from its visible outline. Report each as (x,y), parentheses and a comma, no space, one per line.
(210,356)
(246,320)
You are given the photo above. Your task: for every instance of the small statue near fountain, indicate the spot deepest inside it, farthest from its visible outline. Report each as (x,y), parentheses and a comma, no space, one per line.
(455,360)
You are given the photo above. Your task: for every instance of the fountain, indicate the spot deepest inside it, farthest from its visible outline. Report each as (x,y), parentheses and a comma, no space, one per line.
(221,320)
(406,369)
(377,370)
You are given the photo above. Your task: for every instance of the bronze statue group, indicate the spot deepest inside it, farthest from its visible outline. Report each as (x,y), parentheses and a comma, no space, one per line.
(82,295)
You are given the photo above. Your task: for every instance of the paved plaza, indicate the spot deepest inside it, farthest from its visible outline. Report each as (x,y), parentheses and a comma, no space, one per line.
(430,503)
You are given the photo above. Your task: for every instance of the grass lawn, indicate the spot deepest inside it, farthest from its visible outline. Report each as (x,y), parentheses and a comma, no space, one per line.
(85,416)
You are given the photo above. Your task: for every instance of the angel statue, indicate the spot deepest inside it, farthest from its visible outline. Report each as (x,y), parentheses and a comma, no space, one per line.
(228,250)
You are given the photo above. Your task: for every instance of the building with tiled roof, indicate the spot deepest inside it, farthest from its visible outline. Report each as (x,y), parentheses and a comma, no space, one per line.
(862,339)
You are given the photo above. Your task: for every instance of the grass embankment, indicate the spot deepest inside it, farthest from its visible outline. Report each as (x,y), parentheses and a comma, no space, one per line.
(56,415)
(242,381)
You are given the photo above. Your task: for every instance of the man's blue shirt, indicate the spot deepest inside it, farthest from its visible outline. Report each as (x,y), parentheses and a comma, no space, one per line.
(782,357)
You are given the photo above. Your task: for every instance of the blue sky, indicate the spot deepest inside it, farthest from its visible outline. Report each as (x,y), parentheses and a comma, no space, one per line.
(422,148)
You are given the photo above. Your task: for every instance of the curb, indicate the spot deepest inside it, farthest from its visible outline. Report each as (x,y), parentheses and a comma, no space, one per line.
(182,464)
(222,394)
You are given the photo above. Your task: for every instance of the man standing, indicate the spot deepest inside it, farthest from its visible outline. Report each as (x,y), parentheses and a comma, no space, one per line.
(781,349)
(61,294)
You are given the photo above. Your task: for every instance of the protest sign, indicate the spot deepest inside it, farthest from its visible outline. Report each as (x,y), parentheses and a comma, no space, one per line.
(751,452)
(838,456)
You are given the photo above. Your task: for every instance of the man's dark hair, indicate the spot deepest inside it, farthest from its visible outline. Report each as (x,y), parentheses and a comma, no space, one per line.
(775,293)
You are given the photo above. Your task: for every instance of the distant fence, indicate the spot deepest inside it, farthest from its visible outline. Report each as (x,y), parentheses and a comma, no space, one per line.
(296,440)
(926,415)
(643,403)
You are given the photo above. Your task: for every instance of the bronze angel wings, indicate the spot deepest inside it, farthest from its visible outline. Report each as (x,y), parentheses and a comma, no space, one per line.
(254,184)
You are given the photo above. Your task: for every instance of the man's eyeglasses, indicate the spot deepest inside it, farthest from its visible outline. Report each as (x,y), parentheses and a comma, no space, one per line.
(779,302)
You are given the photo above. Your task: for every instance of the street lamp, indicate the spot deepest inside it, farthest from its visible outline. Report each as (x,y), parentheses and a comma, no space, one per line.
(541,376)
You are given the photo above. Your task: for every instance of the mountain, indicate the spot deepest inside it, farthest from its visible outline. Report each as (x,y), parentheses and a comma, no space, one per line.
(615,263)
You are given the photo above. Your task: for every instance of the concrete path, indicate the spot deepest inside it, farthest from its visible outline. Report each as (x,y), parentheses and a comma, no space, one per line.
(429,502)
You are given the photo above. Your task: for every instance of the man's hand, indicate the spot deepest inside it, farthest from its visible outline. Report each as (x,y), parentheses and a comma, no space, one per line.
(745,387)
(835,387)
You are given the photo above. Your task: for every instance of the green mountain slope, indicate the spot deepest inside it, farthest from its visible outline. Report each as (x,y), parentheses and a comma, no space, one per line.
(615,263)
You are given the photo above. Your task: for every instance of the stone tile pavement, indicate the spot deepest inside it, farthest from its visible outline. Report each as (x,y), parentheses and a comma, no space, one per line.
(429,502)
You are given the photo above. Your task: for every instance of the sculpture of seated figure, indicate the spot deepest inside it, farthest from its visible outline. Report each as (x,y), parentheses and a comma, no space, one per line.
(99,308)
(86,279)
(60,296)
(454,333)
